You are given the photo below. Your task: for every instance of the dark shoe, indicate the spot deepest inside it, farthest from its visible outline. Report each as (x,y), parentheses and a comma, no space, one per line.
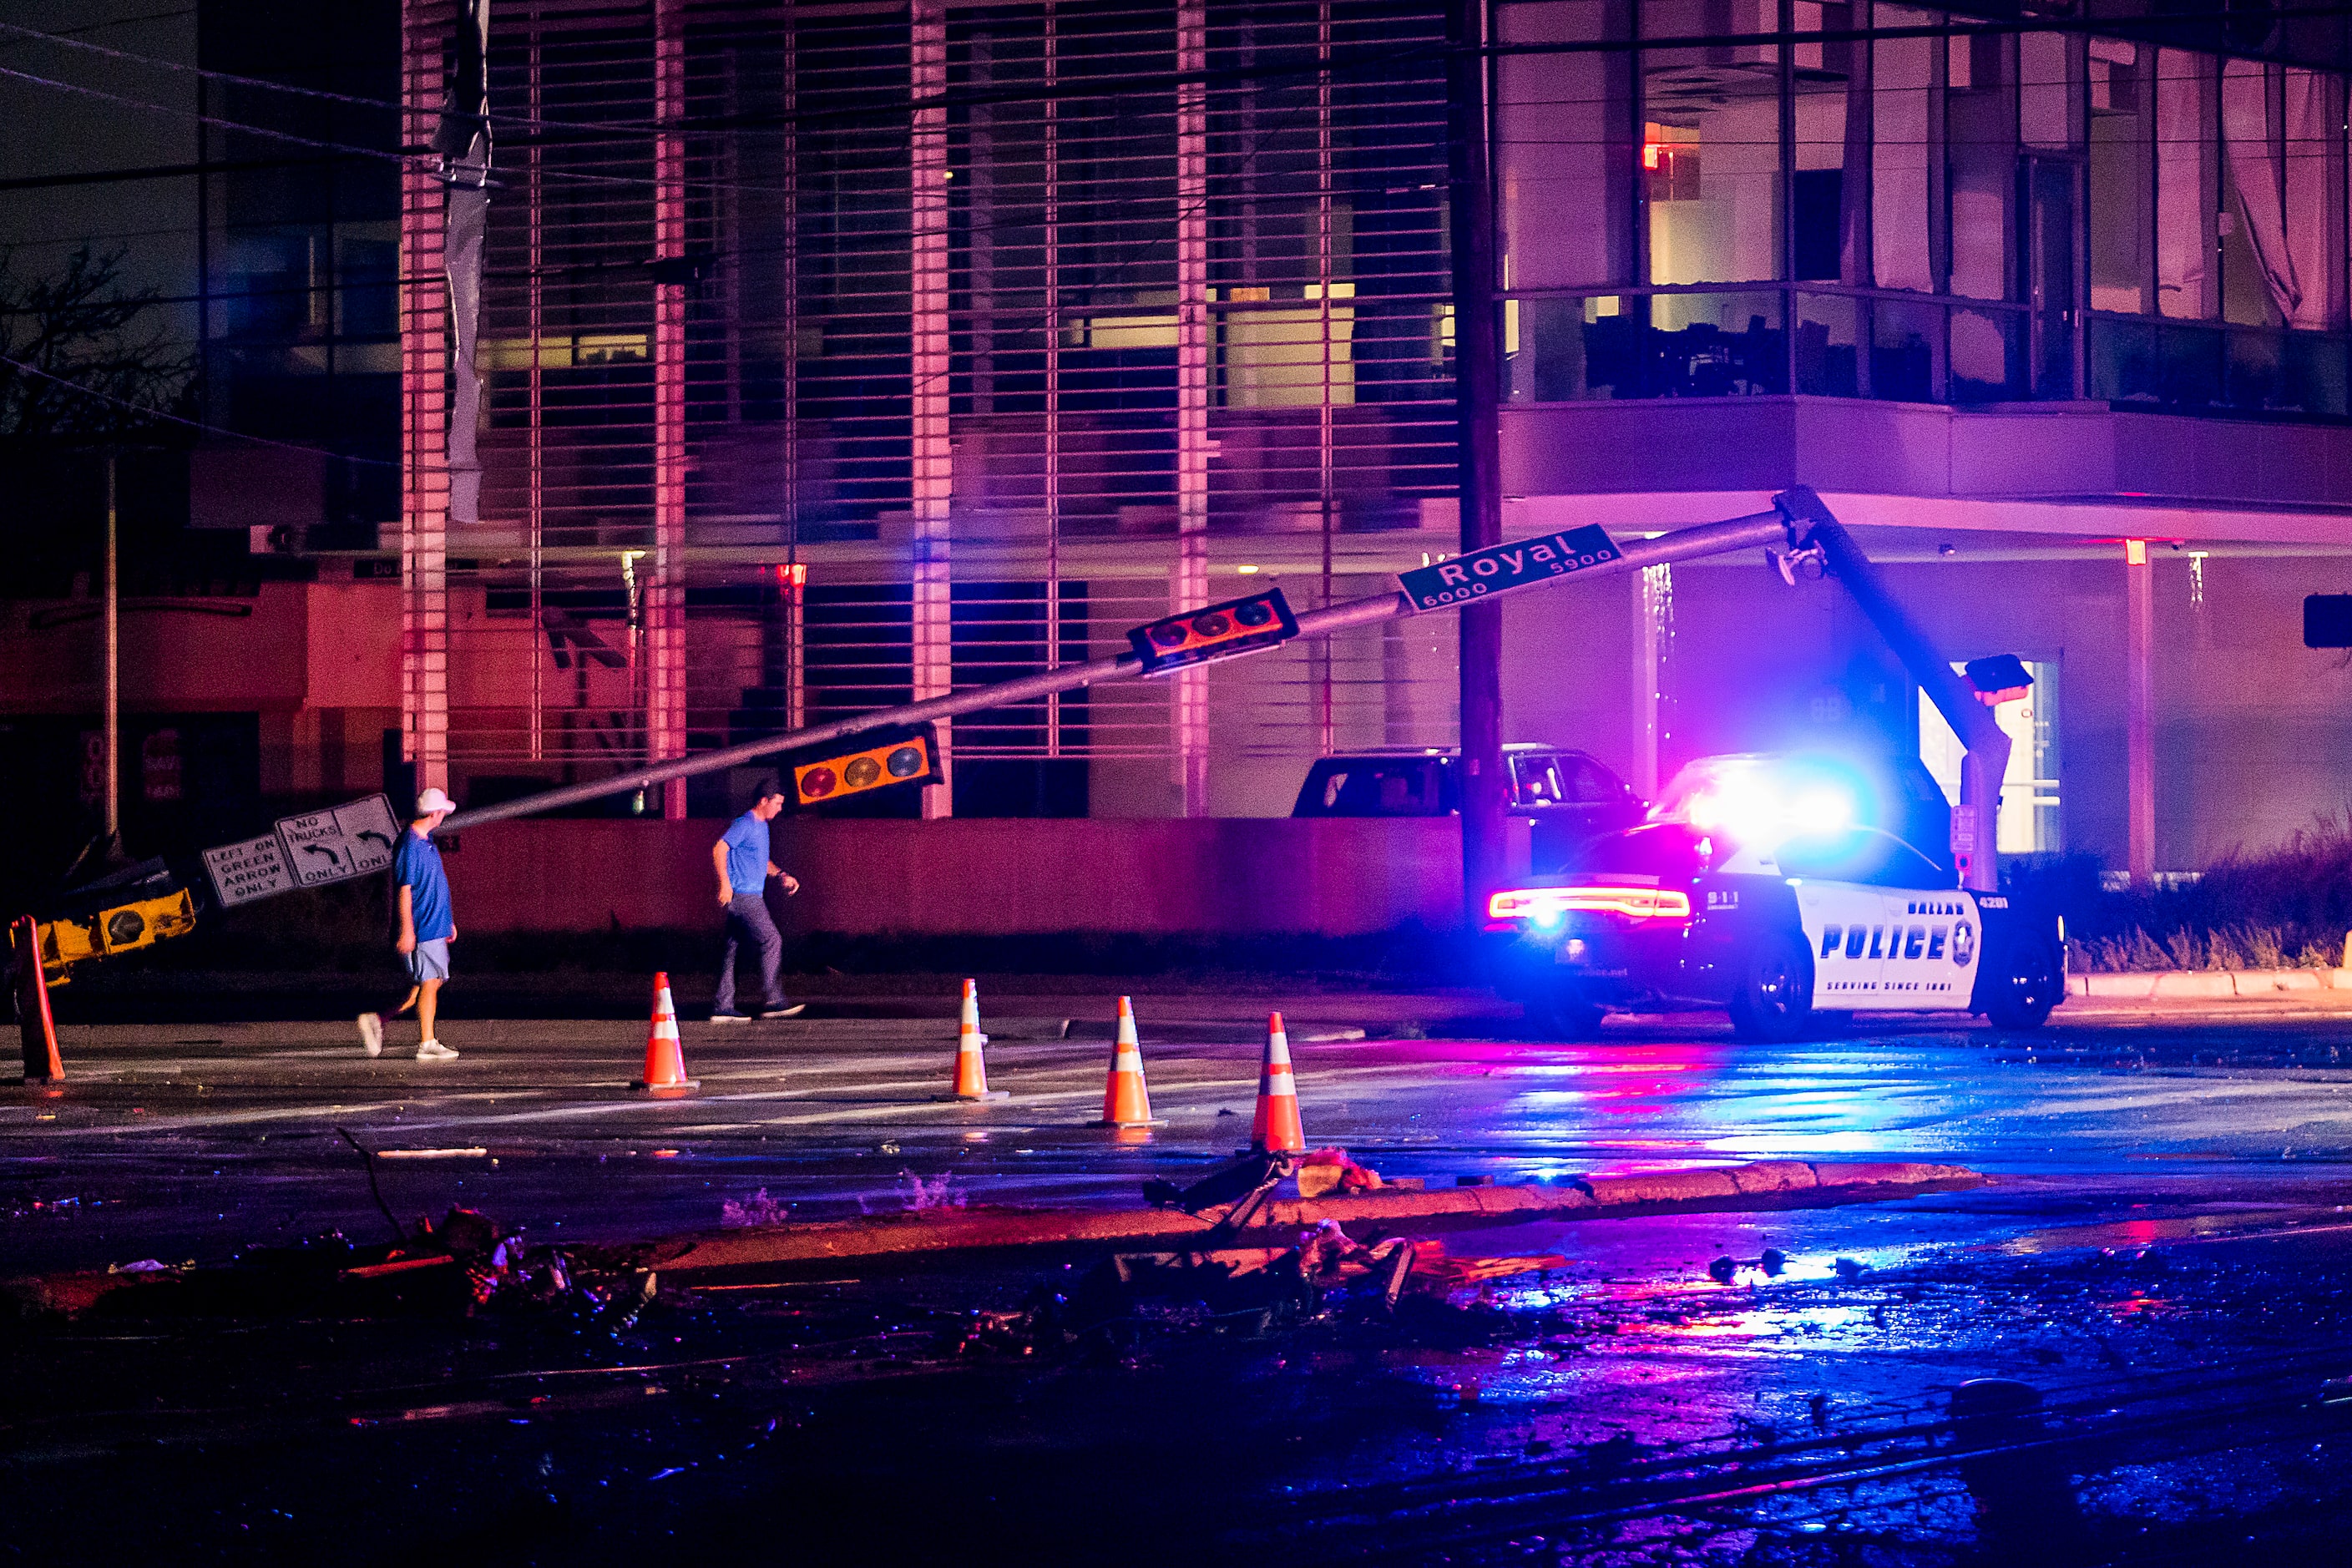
(794,1011)
(731,1016)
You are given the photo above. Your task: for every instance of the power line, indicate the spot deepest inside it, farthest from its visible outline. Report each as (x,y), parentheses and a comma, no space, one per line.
(145,412)
(168,172)
(65,34)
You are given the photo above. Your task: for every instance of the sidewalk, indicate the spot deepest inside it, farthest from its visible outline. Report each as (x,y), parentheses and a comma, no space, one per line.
(2311,987)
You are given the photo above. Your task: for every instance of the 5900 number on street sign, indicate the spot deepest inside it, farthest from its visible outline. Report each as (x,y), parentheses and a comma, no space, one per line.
(1499,568)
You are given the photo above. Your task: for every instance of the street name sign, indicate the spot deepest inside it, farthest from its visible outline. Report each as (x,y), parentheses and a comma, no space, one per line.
(306,851)
(1499,568)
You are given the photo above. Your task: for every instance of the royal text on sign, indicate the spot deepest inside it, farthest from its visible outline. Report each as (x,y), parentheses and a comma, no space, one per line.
(1500,568)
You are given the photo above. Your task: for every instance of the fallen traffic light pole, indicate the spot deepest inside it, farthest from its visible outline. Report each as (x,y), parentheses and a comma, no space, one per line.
(1764,527)
(154,901)
(1797,522)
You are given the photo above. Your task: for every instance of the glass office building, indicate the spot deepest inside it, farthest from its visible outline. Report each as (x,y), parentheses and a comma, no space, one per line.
(841,355)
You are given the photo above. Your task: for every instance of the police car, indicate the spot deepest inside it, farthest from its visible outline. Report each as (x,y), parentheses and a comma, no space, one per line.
(1781,887)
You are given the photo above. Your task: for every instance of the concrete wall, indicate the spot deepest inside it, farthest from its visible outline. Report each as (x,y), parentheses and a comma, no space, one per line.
(987,878)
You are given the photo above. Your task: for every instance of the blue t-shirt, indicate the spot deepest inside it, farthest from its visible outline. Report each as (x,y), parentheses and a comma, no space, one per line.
(746,855)
(416,865)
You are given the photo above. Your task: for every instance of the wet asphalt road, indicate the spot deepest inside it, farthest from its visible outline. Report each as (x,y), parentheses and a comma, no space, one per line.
(2162,1258)
(180,1142)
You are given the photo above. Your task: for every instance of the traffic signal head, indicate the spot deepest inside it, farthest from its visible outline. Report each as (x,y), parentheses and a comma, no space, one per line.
(1214,631)
(911,758)
(2327,620)
(1999,678)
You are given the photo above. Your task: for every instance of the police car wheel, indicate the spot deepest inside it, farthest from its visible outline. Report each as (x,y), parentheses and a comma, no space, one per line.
(1775,998)
(1561,1013)
(2024,985)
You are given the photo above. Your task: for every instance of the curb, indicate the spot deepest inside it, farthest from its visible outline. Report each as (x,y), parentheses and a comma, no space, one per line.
(2208,985)
(1773,1183)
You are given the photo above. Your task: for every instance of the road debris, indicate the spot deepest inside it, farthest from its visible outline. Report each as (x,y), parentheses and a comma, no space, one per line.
(1330,1170)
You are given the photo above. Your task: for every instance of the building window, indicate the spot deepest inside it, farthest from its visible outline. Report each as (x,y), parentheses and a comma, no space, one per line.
(1903,77)
(2119,175)
(2184,186)
(1711,145)
(1981,132)
(1564,159)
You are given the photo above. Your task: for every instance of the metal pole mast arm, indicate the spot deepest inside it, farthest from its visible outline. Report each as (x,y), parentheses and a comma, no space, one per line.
(1975,842)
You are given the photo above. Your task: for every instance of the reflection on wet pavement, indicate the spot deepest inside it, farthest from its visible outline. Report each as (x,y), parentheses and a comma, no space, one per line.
(2159,1286)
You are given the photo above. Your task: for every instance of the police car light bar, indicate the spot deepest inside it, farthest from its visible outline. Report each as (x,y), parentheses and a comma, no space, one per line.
(1215,631)
(1545,905)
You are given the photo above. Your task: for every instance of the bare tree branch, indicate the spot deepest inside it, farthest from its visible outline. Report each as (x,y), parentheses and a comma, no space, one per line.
(105,352)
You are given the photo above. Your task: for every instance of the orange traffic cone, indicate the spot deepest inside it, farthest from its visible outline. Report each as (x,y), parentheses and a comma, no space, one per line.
(1126,1102)
(971,1071)
(665,1062)
(1275,1129)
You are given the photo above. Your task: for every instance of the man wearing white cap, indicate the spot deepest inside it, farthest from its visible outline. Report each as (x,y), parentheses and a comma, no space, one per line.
(426,928)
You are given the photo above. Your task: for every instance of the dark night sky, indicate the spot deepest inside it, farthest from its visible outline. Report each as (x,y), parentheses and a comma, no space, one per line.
(49,131)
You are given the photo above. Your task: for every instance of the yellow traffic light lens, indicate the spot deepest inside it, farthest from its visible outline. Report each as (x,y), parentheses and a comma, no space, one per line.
(1211,626)
(861,773)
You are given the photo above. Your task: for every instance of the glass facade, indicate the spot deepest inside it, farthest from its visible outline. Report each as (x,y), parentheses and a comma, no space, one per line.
(974,334)
(1733,197)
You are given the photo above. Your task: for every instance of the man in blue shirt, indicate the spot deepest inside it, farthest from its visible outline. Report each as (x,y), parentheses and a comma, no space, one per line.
(425,928)
(740,859)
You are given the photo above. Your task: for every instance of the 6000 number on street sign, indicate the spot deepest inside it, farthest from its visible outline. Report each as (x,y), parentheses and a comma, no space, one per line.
(1499,568)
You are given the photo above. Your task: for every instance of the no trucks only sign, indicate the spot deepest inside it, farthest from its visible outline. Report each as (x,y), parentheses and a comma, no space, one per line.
(306,851)
(1499,568)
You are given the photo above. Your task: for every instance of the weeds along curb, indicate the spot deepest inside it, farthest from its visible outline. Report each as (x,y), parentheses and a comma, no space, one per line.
(1769,1185)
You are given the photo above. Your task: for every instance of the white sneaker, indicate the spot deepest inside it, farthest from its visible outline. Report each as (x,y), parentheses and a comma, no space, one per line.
(372,1034)
(434,1051)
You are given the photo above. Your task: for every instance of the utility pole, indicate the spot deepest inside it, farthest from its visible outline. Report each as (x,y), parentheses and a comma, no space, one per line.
(113,672)
(1477,379)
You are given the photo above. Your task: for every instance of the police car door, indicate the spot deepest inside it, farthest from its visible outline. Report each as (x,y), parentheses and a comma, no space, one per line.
(1844,919)
(1858,890)
(1932,948)
(1845,927)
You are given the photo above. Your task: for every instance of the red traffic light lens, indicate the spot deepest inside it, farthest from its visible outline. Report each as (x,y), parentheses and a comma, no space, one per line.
(905,763)
(1214,631)
(817,783)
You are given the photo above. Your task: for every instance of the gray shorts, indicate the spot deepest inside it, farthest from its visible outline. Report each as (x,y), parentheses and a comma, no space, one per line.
(429,961)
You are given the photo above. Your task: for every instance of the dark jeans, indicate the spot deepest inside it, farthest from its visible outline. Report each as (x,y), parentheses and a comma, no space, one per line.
(748,924)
